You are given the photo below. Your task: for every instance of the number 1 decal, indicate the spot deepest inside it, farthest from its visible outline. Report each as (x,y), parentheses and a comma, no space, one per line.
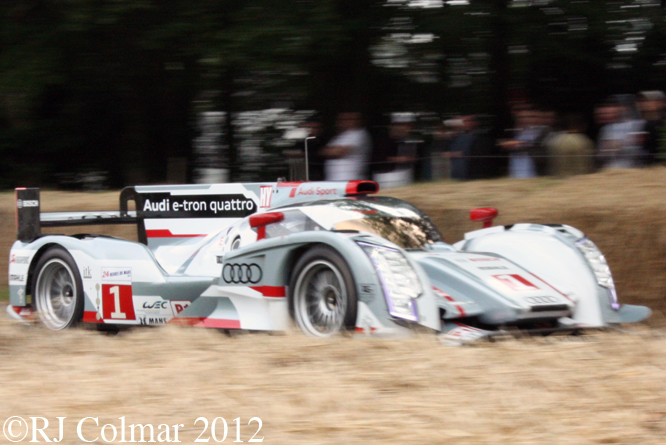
(516,282)
(115,290)
(117,302)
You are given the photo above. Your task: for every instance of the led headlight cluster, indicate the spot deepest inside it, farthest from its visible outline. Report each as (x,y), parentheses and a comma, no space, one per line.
(599,266)
(399,280)
(597,261)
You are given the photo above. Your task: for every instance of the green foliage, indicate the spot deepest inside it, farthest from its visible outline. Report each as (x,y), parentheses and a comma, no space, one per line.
(116,84)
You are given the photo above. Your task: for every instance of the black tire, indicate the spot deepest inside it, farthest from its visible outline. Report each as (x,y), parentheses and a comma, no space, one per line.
(57,290)
(322,293)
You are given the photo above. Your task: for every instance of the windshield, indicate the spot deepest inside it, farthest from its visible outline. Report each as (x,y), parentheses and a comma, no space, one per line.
(392,219)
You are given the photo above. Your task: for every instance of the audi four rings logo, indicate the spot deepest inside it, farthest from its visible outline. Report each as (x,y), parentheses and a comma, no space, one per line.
(241,273)
(541,300)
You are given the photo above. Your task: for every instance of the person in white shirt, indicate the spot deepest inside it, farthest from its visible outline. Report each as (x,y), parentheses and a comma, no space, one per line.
(348,153)
(620,141)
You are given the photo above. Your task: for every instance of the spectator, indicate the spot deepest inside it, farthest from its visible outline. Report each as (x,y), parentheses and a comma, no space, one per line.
(526,150)
(651,107)
(468,151)
(572,151)
(620,141)
(443,134)
(395,156)
(348,153)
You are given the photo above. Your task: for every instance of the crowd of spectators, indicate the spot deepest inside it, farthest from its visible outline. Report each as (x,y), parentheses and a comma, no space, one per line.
(624,133)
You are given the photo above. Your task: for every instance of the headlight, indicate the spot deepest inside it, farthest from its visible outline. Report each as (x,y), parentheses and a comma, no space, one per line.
(597,261)
(599,266)
(399,280)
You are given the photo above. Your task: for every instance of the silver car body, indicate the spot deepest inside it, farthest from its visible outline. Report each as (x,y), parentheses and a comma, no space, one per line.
(223,255)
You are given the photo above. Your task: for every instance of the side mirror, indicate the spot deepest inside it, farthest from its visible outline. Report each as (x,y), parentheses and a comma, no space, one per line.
(259,221)
(484,215)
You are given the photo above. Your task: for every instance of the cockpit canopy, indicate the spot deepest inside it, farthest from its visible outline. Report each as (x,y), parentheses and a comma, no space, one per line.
(391,218)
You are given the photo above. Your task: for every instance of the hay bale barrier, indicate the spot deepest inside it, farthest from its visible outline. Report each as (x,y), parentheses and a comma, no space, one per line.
(601,388)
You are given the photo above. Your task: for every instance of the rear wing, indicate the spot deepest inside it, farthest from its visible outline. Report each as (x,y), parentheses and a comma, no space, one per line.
(182,211)
(30,219)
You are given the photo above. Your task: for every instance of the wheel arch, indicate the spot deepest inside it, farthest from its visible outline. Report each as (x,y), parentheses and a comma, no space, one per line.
(284,252)
(33,265)
(296,254)
(57,294)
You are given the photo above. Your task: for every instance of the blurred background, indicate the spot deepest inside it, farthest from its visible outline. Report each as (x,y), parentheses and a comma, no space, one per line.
(99,94)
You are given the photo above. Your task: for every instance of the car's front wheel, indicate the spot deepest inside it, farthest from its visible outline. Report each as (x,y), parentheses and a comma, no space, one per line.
(58,290)
(322,293)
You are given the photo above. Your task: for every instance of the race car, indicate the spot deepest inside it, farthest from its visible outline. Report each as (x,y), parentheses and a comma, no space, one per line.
(329,257)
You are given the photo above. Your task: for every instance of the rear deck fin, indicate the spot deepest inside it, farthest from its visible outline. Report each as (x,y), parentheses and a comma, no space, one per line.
(28,226)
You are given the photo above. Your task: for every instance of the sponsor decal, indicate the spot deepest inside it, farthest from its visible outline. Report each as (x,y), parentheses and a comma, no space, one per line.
(492,268)
(153,320)
(179,306)
(117,302)
(116,274)
(242,273)
(484,259)
(367,292)
(165,205)
(15,277)
(462,334)
(87,273)
(21,203)
(19,259)
(265,196)
(545,299)
(368,289)
(312,191)
(516,282)
(155,305)
(152,310)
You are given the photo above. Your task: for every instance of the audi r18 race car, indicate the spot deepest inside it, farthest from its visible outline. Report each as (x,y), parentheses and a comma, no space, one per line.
(327,256)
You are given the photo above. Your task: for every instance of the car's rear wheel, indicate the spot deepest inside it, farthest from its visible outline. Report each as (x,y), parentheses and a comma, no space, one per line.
(58,290)
(322,293)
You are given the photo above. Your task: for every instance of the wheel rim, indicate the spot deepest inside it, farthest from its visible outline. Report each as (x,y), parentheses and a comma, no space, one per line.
(320,299)
(56,294)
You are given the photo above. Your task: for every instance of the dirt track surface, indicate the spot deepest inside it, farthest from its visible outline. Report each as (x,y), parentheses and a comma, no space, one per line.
(603,388)
(597,389)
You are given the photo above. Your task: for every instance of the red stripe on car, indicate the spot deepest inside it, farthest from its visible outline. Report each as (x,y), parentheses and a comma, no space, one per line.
(218,323)
(166,233)
(551,286)
(90,317)
(449,298)
(290,183)
(271,291)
